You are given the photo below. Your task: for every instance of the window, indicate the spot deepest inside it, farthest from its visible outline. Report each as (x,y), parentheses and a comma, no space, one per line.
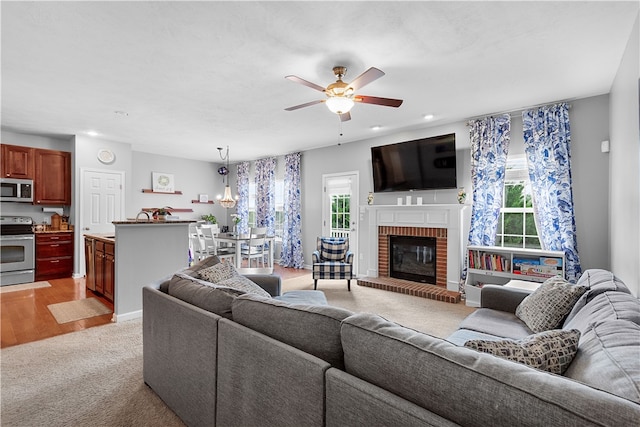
(340,215)
(516,225)
(279,201)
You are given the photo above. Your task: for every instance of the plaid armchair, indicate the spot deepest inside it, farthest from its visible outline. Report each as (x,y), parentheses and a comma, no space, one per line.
(332,260)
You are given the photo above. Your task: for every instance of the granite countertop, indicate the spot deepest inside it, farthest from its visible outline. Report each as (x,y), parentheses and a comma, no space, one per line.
(53,231)
(154,222)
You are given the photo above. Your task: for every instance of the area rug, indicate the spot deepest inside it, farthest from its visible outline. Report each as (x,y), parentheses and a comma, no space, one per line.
(70,311)
(91,377)
(437,318)
(24,287)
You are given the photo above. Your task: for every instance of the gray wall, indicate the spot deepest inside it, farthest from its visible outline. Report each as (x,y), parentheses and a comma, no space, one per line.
(624,206)
(589,125)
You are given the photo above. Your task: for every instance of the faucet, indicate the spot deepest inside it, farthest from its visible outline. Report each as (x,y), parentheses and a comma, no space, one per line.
(141,213)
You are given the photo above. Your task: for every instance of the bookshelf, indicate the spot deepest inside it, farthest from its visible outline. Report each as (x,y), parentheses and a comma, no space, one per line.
(497,265)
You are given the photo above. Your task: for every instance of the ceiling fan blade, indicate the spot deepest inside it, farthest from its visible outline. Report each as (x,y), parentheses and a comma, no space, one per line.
(365,78)
(387,102)
(345,117)
(305,82)
(307,104)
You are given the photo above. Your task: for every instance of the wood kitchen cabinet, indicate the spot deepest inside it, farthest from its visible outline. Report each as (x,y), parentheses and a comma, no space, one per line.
(54,255)
(52,183)
(17,162)
(100,266)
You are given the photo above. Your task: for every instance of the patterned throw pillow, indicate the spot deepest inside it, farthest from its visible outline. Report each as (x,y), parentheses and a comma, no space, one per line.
(333,249)
(243,284)
(217,273)
(550,351)
(546,307)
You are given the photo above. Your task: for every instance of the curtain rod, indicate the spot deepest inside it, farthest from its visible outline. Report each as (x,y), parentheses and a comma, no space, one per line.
(515,113)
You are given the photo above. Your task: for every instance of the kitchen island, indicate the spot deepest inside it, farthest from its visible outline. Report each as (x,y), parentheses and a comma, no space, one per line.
(145,251)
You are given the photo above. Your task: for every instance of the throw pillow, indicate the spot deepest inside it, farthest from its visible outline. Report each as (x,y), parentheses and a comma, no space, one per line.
(550,351)
(245,285)
(218,272)
(333,250)
(546,307)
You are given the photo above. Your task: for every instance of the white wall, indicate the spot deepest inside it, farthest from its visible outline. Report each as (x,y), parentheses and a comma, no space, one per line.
(624,184)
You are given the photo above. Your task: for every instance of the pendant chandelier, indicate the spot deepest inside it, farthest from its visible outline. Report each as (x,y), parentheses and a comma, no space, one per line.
(227,200)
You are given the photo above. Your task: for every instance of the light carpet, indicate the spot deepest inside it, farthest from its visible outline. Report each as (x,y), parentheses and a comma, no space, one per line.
(70,311)
(91,377)
(24,286)
(433,317)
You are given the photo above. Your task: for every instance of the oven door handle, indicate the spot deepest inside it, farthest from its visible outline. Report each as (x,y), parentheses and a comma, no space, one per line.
(16,237)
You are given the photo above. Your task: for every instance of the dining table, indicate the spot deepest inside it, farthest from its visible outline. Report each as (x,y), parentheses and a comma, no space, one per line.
(237,239)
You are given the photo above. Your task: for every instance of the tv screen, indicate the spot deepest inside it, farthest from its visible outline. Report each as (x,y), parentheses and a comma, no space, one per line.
(422,164)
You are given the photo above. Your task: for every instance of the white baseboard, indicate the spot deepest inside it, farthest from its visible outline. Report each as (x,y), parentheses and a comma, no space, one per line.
(126,316)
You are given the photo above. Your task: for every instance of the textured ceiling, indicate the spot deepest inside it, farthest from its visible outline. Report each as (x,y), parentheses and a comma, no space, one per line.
(192,76)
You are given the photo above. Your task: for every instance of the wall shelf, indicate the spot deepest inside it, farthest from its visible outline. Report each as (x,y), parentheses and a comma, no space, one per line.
(149,190)
(210,202)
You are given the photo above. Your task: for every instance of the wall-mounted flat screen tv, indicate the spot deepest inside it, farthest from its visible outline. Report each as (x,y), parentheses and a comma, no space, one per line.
(422,164)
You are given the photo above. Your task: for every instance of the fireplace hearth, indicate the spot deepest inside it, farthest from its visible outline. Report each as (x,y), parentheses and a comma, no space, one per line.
(413,258)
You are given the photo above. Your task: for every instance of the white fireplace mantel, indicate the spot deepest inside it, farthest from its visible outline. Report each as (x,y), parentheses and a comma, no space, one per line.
(455,218)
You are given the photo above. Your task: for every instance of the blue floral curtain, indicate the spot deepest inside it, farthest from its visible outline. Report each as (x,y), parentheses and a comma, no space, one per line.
(266,194)
(292,229)
(490,139)
(242,208)
(547,140)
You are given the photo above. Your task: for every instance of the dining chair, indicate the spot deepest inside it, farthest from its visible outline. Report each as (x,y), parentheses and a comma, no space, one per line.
(255,249)
(212,246)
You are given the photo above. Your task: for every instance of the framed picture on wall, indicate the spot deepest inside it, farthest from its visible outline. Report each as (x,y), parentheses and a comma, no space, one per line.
(163,182)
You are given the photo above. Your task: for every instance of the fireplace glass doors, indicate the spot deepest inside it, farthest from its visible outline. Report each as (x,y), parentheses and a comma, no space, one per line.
(413,258)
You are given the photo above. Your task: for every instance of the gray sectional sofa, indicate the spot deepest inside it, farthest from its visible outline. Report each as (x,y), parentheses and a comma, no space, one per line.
(273,362)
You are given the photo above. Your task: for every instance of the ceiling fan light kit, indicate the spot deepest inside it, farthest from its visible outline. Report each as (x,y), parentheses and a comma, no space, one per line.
(341,96)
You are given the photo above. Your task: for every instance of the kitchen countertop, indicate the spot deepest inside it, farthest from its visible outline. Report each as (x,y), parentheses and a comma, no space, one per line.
(53,231)
(154,222)
(105,237)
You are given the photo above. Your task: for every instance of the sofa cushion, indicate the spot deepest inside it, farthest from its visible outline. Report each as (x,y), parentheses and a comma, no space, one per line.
(550,351)
(207,296)
(192,270)
(609,358)
(314,329)
(597,282)
(469,387)
(548,305)
(606,306)
(495,322)
(304,297)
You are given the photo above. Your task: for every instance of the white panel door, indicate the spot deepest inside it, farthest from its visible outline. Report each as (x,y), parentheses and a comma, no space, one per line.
(340,208)
(102,200)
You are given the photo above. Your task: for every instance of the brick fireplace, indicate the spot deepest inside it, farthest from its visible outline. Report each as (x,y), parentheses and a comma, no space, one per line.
(447,223)
(440,234)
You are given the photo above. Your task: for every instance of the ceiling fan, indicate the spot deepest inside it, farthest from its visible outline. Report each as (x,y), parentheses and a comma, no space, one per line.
(341,96)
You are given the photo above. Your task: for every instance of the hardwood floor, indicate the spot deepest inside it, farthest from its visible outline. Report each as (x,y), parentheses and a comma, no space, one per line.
(24,315)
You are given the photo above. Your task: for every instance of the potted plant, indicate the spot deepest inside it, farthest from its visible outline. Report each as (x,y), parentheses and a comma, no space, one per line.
(161,214)
(210,218)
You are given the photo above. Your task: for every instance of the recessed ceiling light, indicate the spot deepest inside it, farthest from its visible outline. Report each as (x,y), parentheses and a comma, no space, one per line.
(428,117)
(92,133)
(376,127)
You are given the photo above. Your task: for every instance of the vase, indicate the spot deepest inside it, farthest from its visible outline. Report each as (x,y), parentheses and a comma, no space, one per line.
(370,198)
(462,196)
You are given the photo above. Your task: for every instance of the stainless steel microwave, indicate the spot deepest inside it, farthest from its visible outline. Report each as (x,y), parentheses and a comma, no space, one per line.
(16,190)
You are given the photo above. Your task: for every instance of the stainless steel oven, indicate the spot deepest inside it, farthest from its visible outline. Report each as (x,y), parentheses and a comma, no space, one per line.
(17,246)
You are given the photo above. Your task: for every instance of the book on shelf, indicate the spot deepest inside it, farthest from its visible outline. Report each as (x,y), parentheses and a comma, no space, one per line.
(488,261)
